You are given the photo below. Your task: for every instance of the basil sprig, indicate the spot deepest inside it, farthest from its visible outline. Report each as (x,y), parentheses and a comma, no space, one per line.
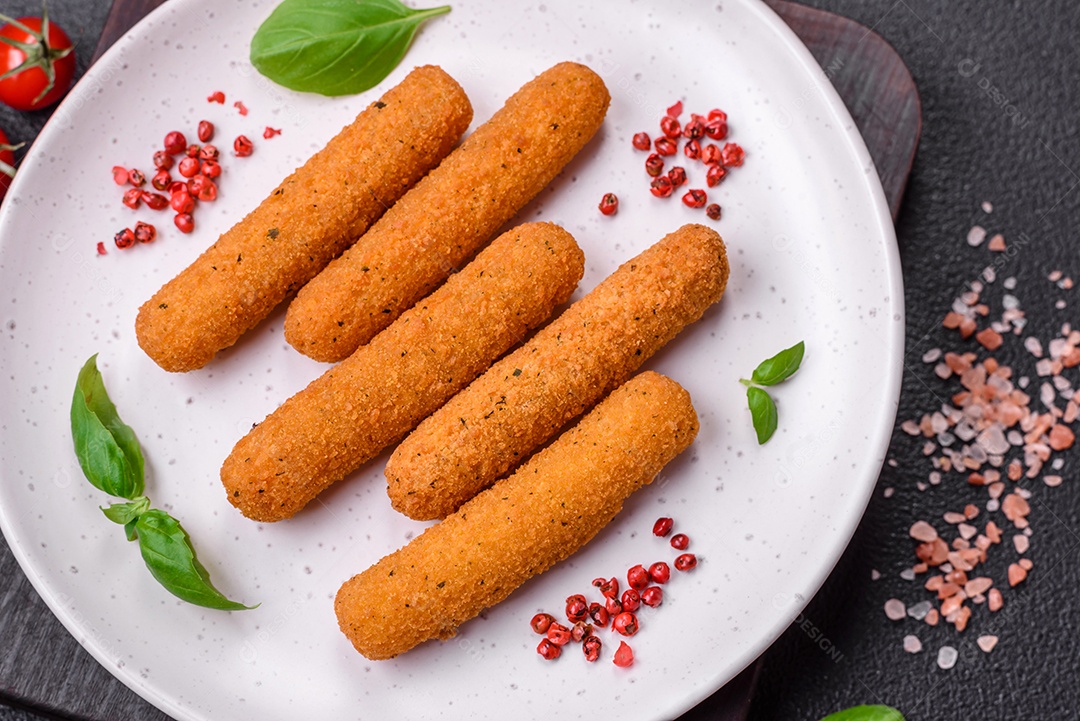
(866,713)
(112,461)
(107,448)
(769,372)
(335,47)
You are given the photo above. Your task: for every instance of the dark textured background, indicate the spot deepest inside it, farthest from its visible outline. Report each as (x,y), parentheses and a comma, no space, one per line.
(1001,127)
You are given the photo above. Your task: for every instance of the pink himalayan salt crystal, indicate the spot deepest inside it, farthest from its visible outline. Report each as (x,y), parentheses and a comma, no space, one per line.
(976,236)
(923,531)
(894,609)
(912,644)
(987,643)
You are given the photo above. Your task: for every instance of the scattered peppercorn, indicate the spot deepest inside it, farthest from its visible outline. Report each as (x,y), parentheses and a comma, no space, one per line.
(654,165)
(637,577)
(694,198)
(242,146)
(144,232)
(124,239)
(661,187)
(717,160)
(615,612)
(541,622)
(609,204)
(665,146)
(624,657)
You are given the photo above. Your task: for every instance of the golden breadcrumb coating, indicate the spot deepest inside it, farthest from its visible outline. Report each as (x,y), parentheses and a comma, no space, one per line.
(376,396)
(451,213)
(547,510)
(525,398)
(307,221)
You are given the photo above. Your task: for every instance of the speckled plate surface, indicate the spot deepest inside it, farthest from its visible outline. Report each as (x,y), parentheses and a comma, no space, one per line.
(813,257)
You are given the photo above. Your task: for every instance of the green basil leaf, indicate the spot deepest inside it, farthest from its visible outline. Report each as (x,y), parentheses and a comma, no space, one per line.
(335,47)
(129,529)
(866,713)
(780,367)
(106,447)
(763,411)
(124,513)
(167,550)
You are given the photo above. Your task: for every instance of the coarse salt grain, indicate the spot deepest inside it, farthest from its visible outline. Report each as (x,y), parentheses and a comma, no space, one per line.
(923,531)
(894,609)
(919,610)
(874,574)
(946,657)
(987,207)
(912,644)
(987,643)
(987,431)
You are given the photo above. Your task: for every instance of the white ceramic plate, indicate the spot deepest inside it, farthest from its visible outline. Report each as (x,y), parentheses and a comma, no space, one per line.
(813,257)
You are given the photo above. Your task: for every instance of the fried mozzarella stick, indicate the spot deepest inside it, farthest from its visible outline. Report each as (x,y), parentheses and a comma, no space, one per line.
(451,213)
(376,396)
(552,506)
(307,221)
(526,397)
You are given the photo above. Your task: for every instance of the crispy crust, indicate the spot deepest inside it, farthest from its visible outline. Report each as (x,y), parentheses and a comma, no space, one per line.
(451,213)
(372,399)
(307,221)
(525,398)
(547,510)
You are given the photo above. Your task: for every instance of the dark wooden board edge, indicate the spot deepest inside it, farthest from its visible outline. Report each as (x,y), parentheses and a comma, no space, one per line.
(881,96)
(122,17)
(875,85)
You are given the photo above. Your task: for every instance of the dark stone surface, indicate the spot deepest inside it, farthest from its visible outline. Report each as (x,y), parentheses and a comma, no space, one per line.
(999,88)
(1000,91)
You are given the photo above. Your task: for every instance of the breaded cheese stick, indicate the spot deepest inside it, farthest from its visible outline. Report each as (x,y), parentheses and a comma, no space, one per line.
(526,397)
(547,510)
(307,221)
(451,213)
(376,396)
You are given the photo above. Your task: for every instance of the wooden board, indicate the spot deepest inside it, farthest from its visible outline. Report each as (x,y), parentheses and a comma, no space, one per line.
(44,668)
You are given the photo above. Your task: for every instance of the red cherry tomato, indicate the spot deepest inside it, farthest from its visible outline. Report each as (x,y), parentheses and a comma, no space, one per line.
(40,74)
(7,163)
